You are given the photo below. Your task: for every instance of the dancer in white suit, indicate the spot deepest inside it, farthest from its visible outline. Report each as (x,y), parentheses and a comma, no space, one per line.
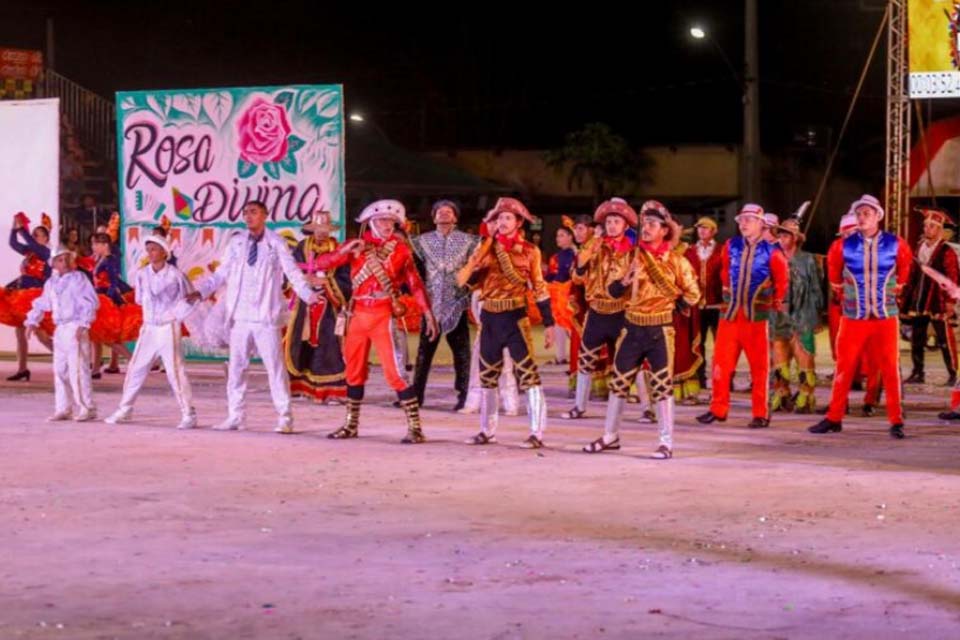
(69,295)
(253,267)
(161,290)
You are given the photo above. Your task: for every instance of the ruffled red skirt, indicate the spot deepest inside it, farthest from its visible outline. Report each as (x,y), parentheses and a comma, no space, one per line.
(16,303)
(560,304)
(116,323)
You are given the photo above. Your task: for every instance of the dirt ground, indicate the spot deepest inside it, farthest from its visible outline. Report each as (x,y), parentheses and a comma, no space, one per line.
(142,531)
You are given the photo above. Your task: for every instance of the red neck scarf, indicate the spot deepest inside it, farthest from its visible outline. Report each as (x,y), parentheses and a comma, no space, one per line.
(657,252)
(620,245)
(508,242)
(371,238)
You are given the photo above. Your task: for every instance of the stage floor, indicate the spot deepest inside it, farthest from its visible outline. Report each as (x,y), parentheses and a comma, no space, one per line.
(142,531)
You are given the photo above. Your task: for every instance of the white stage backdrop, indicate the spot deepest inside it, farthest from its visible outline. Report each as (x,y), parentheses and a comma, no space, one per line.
(29,179)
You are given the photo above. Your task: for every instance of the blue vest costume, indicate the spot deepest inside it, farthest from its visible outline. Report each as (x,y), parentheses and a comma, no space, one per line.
(751,285)
(869,282)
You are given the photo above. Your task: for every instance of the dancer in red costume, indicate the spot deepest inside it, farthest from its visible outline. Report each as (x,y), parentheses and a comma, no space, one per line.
(18,296)
(868,269)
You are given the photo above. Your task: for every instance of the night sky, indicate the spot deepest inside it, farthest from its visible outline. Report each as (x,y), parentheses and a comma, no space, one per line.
(455,78)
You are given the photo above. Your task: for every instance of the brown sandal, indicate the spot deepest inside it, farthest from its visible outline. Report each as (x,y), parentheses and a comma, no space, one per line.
(663,452)
(343,433)
(414,436)
(533,442)
(482,438)
(599,445)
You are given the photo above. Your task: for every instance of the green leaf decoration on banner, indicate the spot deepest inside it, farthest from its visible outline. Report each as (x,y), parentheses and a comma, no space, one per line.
(218,107)
(295,143)
(245,169)
(289,164)
(285,98)
(272,169)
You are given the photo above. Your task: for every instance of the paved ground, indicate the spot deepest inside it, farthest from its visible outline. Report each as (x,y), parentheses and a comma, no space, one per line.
(141,531)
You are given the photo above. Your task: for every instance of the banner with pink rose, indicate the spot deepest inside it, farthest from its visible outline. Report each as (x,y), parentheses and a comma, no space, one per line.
(191,159)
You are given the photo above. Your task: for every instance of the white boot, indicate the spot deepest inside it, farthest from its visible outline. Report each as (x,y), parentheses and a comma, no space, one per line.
(60,416)
(489,418)
(284,425)
(510,400)
(509,394)
(610,440)
(581,396)
(123,414)
(85,415)
(665,418)
(472,404)
(232,423)
(537,408)
(188,421)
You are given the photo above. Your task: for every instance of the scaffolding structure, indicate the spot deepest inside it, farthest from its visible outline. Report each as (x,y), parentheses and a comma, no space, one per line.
(896,187)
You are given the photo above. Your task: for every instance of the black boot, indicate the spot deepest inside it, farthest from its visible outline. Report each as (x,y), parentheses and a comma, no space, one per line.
(20,375)
(758,423)
(896,432)
(461,369)
(916,377)
(949,415)
(826,426)
(709,417)
(425,353)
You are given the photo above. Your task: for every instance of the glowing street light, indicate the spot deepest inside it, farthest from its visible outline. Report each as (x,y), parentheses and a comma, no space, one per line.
(747,82)
(356,117)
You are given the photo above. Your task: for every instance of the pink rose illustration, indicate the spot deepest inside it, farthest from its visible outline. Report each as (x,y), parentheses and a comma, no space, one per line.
(263,130)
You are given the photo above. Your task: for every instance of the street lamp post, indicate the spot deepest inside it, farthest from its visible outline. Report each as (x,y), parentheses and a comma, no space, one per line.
(747,82)
(751,106)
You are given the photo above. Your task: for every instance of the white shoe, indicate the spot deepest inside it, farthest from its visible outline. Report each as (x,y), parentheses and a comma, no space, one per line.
(118,416)
(230,424)
(284,425)
(188,422)
(467,409)
(60,416)
(86,415)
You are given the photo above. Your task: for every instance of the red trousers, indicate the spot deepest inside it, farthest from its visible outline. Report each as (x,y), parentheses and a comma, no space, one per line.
(574,350)
(833,322)
(734,336)
(867,370)
(373,325)
(853,338)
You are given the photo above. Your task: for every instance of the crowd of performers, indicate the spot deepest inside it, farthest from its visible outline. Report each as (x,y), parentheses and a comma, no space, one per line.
(626,303)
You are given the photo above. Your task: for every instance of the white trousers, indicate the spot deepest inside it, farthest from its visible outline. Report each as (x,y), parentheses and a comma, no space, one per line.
(561,343)
(266,339)
(72,386)
(161,340)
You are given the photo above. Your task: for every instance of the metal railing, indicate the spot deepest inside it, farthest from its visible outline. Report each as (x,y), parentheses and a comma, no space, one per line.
(92,116)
